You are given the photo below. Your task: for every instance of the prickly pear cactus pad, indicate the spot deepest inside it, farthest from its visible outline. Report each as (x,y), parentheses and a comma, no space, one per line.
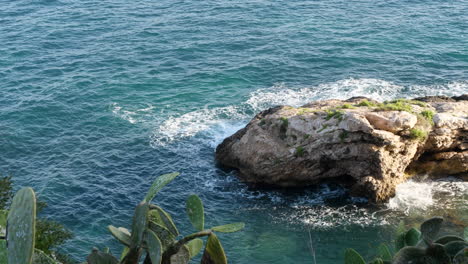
(21,227)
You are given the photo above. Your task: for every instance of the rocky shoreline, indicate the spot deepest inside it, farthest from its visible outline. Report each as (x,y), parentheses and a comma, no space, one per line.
(364,144)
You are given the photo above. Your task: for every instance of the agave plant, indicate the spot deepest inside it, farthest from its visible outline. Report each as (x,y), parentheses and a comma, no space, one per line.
(419,247)
(154,234)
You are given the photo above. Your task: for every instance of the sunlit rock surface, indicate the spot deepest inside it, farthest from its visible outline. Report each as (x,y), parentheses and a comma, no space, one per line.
(367,145)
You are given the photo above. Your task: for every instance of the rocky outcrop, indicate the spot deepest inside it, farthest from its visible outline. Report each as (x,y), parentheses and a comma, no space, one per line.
(367,145)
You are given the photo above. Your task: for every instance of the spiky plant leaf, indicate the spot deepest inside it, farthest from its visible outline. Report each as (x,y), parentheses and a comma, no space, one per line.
(194,246)
(41,258)
(158,215)
(430,228)
(229,228)
(400,241)
(97,257)
(377,261)
(182,256)
(352,257)
(214,252)
(407,255)
(164,235)
(461,257)
(195,212)
(124,253)
(158,184)
(438,253)
(452,248)
(412,237)
(446,239)
(154,247)
(139,224)
(21,227)
(121,234)
(384,252)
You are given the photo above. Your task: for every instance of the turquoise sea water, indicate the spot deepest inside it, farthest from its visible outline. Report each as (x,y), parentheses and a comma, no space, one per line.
(97,98)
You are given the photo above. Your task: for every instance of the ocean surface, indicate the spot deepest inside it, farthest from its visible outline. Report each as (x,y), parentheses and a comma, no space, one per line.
(97,98)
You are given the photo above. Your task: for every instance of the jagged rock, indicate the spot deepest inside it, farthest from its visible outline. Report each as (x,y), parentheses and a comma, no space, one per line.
(359,142)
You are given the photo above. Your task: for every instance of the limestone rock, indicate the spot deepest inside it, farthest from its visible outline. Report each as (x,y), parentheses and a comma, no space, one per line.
(367,145)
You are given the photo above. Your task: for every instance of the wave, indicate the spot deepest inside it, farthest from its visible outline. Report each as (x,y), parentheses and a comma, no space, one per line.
(223,121)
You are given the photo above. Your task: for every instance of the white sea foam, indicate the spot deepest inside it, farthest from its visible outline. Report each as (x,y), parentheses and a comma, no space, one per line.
(413,196)
(217,121)
(134,116)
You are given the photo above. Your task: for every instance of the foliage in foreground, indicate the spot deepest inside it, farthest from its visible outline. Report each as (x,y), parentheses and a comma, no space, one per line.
(419,247)
(49,234)
(153,234)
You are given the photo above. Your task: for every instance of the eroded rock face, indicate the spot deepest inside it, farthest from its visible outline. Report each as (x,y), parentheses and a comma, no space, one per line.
(359,142)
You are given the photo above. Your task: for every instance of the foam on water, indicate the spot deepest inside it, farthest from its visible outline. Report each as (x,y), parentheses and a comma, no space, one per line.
(424,196)
(219,120)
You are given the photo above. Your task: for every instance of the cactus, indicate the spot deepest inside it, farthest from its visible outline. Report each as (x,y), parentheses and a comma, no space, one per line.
(195,212)
(430,228)
(158,184)
(21,227)
(214,252)
(384,252)
(154,247)
(195,246)
(97,257)
(121,234)
(444,250)
(412,237)
(181,257)
(229,228)
(158,215)
(352,257)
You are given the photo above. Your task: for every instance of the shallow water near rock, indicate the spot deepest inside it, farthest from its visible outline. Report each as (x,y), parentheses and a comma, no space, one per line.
(98,98)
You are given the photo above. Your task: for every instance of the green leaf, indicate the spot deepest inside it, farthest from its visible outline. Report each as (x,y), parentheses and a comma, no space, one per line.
(352,257)
(430,228)
(194,246)
(182,256)
(21,227)
(121,234)
(412,255)
(400,241)
(446,239)
(401,228)
(164,235)
(384,252)
(229,228)
(452,248)
(195,212)
(412,237)
(140,222)
(461,257)
(377,261)
(97,257)
(124,253)
(158,184)
(158,215)
(154,247)
(214,252)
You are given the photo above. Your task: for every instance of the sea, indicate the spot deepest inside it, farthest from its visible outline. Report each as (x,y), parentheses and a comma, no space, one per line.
(98,98)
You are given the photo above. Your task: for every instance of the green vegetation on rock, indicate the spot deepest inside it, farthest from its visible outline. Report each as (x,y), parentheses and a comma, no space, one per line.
(418,134)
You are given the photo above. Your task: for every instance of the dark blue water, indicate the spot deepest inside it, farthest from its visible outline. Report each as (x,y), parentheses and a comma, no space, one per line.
(97,98)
